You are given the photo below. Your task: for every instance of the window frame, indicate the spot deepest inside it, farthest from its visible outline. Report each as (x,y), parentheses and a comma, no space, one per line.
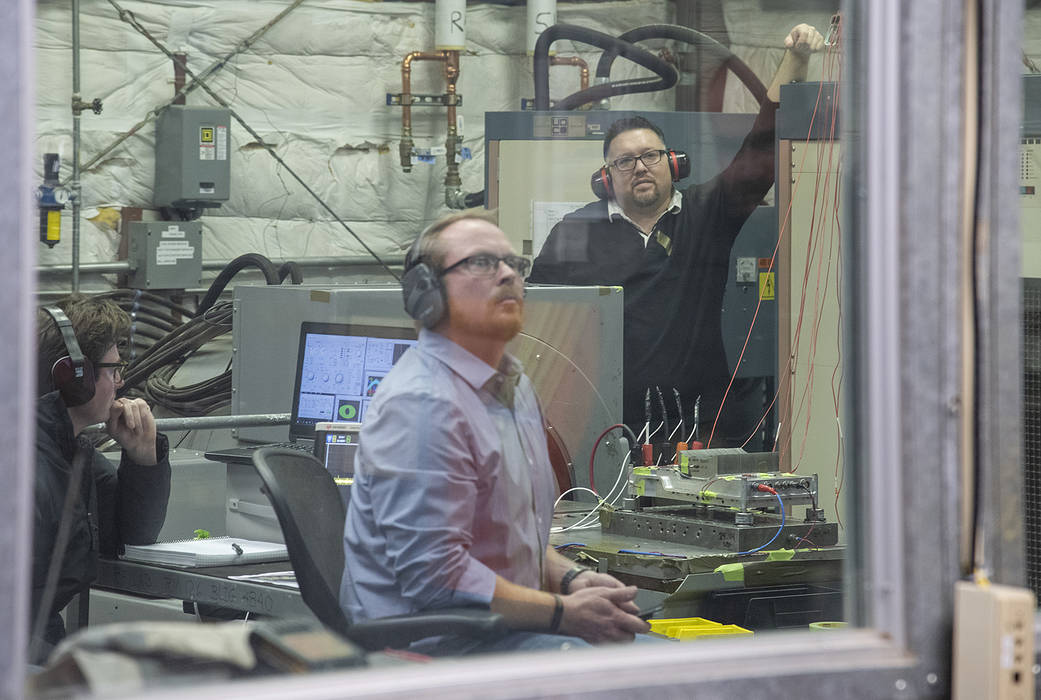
(906,344)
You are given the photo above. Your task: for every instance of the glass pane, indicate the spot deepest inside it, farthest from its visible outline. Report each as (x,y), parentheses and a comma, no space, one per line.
(682,322)
(1030,172)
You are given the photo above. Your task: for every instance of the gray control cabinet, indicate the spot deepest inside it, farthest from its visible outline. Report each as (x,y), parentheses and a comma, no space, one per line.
(192,163)
(165,254)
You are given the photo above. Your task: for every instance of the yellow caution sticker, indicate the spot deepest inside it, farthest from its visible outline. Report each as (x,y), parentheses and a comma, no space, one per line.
(767,290)
(780,554)
(731,572)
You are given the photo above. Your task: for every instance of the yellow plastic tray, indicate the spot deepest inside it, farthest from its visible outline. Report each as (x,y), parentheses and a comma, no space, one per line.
(695,628)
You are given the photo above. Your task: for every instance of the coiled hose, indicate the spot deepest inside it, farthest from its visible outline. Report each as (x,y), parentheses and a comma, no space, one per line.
(667,76)
(679,33)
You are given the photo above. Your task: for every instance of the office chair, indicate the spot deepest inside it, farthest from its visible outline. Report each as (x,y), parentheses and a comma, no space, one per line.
(311,513)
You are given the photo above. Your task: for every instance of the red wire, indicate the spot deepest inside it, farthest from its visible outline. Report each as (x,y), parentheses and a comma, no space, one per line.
(592,454)
(785,441)
(759,302)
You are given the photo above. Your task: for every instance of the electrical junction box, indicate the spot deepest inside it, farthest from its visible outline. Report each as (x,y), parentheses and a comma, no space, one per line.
(165,254)
(993,642)
(192,164)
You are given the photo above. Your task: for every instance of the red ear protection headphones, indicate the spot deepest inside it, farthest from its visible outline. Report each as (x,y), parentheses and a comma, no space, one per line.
(679,168)
(73,375)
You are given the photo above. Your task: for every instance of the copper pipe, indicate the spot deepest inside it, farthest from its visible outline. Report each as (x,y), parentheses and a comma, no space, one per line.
(406,81)
(405,147)
(573,61)
(452,179)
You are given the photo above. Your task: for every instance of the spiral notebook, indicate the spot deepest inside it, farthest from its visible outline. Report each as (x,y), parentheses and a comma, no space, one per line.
(212,551)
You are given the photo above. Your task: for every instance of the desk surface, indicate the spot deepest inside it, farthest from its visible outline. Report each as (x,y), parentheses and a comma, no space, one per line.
(651,565)
(205,585)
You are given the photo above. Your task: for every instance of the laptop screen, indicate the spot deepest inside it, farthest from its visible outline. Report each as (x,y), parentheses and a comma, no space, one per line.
(339,366)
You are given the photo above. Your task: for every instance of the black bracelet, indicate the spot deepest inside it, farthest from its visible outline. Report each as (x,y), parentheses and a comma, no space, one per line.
(571,575)
(558,614)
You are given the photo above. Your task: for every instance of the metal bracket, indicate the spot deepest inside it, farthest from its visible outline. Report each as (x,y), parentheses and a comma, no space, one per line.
(79,105)
(446,100)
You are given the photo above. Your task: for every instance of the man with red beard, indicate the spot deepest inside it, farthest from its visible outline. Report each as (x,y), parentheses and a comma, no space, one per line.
(453,493)
(670,250)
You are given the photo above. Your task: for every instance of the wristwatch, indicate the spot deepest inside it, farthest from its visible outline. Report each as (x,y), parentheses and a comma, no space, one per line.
(569,576)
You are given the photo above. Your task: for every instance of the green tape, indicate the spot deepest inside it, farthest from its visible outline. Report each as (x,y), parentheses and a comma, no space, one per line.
(780,554)
(707,495)
(827,626)
(731,572)
(642,471)
(641,487)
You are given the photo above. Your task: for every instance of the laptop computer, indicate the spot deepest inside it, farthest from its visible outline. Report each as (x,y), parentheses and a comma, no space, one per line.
(339,366)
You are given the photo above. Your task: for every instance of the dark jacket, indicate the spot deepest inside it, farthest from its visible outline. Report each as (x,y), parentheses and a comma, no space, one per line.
(674,285)
(114,507)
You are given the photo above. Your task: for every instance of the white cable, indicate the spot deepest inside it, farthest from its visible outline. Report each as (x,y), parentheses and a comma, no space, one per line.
(582,522)
(576,488)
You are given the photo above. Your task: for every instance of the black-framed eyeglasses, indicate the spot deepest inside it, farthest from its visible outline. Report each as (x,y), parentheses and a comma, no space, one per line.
(118,368)
(627,163)
(485,264)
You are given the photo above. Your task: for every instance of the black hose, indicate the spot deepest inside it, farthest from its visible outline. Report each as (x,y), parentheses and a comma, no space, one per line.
(177,345)
(667,76)
(474,199)
(291,270)
(233,268)
(689,36)
(136,296)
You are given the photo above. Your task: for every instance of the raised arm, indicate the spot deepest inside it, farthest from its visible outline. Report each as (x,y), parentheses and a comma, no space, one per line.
(802,41)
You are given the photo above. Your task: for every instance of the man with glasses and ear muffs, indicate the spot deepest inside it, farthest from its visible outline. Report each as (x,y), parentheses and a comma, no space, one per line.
(79,373)
(453,490)
(669,248)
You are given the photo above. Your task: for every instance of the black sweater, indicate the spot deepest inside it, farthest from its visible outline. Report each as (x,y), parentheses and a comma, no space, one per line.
(673,298)
(115,507)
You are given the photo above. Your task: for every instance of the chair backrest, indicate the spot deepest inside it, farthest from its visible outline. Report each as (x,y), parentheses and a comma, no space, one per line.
(311,512)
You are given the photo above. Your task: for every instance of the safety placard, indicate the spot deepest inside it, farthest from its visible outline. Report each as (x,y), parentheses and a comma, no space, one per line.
(222,143)
(168,252)
(767,291)
(207,143)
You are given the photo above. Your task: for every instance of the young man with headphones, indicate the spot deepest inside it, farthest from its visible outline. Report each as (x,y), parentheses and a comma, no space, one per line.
(453,490)
(669,248)
(85,506)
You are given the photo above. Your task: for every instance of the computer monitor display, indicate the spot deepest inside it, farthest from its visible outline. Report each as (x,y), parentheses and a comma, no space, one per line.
(339,368)
(335,445)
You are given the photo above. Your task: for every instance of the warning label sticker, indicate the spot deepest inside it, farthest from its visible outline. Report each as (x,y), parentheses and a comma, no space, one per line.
(222,143)
(767,291)
(207,146)
(168,252)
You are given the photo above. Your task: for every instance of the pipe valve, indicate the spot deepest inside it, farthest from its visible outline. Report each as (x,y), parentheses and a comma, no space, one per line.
(51,199)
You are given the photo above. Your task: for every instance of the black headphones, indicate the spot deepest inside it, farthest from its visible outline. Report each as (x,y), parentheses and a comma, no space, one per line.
(73,374)
(679,168)
(421,288)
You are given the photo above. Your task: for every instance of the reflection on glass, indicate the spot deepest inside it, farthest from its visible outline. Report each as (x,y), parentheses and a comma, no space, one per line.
(1030,222)
(683,321)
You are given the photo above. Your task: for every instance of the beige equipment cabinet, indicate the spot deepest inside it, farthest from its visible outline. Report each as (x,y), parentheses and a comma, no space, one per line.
(810,303)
